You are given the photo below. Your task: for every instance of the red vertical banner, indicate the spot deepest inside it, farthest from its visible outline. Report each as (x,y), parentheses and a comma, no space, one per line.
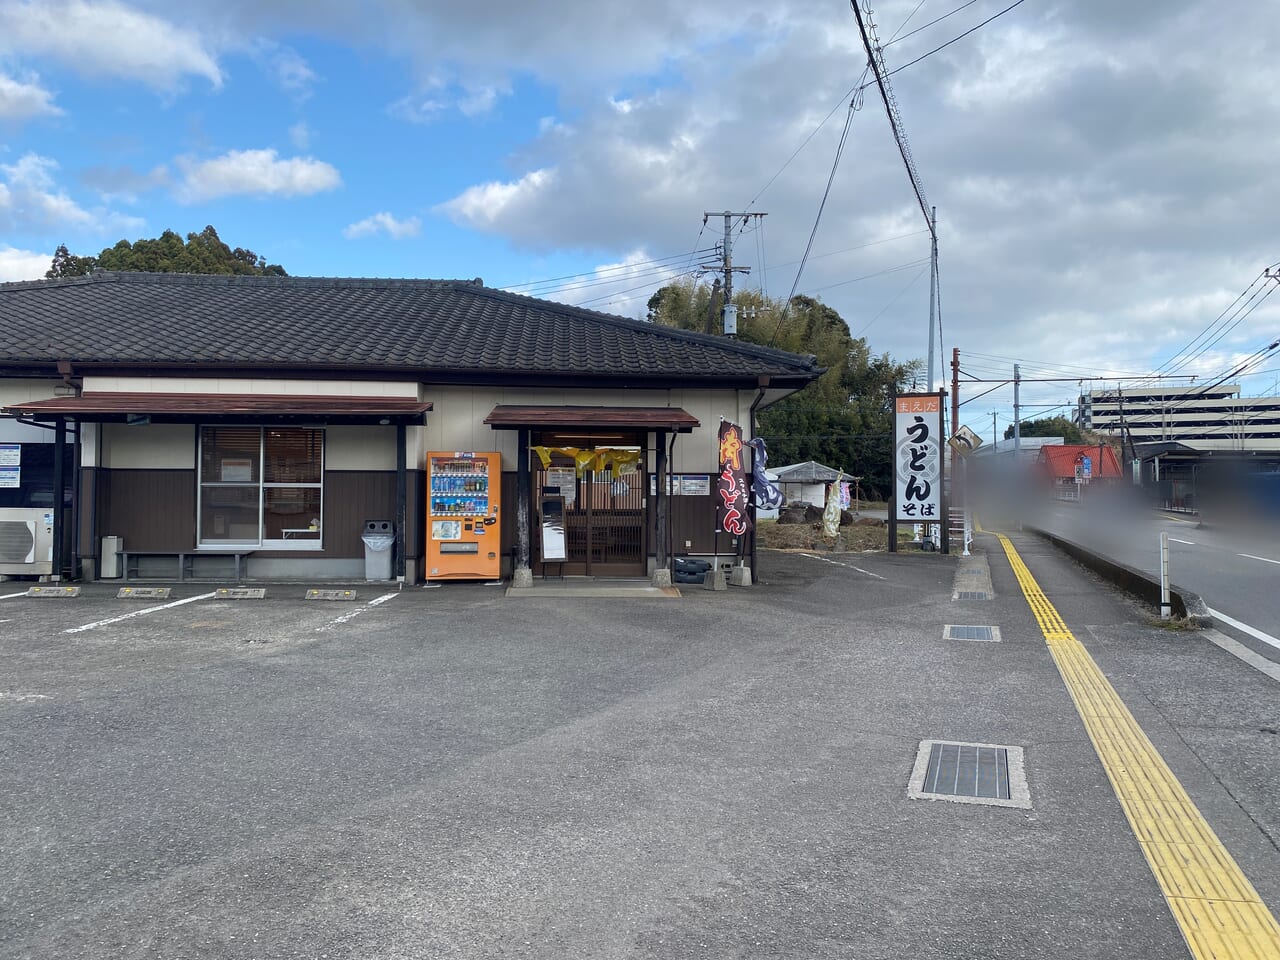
(731,485)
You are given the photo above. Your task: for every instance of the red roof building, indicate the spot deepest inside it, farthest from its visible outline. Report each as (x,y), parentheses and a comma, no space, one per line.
(1061,462)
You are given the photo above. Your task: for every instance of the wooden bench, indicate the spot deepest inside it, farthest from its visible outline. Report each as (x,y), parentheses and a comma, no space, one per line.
(185,559)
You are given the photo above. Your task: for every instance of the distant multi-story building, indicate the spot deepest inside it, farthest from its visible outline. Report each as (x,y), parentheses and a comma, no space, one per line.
(1209,419)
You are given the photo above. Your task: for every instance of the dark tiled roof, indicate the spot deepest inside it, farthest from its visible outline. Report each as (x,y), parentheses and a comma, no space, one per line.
(431,326)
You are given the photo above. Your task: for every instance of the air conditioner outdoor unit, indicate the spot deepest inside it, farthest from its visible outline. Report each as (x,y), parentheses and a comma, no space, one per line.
(26,540)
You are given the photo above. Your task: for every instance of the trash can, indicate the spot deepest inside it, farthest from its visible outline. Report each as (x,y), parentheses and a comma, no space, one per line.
(379,537)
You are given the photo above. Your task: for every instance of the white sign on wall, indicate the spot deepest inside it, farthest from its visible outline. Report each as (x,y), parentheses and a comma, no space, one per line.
(917,461)
(10,478)
(10,454)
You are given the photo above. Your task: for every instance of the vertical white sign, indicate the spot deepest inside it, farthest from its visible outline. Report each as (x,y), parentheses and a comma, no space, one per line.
(917,461)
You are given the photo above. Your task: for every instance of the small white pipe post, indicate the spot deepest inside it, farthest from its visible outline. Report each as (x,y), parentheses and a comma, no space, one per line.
(1165,607)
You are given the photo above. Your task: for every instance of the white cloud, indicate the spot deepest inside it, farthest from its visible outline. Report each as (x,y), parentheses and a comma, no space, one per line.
(300,135)
(384,223)
(418,108)
(107,38)
(288,67)
(30,198)
(479,100)
(20,100)
(489,204)
(438,95)
(18,264)
(255,173)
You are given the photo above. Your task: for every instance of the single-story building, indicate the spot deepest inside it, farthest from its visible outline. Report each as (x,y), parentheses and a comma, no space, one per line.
(261,421)
(1068,467)
(807,482)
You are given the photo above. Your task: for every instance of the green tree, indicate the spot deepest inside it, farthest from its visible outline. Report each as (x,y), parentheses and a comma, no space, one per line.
(67,264)
(1048,427)
(202,252)
(843,419)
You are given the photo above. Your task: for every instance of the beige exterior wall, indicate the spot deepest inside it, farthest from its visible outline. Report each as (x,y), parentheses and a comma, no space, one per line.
(160,446)
(361,448)
(457,418)
(24,391)
(310,388)
(455,423)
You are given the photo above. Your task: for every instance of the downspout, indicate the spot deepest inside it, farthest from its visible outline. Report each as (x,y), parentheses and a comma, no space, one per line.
(77,466)
(95,542)
(763,384)
(402,504)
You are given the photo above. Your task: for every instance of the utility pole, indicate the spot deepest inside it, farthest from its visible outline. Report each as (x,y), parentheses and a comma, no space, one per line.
(995,435)
(730,311)
(933,292)
(1017,414)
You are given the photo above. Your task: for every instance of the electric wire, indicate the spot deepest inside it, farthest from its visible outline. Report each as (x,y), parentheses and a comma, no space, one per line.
(899,39)
(616,268)
(944,46)
(854,105)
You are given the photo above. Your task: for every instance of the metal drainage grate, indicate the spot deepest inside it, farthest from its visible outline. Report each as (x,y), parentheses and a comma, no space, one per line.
(958,632)
(972,595)
(969,773)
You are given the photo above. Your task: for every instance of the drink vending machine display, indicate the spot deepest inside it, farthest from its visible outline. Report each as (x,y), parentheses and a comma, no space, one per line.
(464,492)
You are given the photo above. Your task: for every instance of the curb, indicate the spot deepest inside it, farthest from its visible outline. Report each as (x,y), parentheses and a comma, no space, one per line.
(1183,602)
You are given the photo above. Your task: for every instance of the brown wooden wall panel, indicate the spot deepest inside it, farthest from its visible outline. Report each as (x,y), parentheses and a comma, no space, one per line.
(352,497)
(694,519)
(156,510)
(151,509)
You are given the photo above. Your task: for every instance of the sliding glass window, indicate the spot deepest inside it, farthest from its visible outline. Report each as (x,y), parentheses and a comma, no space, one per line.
(261,486)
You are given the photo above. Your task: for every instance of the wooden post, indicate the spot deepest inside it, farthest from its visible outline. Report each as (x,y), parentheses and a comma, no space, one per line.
(661,547)
(522,572)
(59,484)
(402,503)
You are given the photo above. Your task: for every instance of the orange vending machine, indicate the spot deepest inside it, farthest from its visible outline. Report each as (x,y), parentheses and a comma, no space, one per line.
(464,537)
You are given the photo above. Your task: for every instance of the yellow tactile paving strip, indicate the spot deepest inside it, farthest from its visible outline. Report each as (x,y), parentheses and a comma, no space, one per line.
(1219,912)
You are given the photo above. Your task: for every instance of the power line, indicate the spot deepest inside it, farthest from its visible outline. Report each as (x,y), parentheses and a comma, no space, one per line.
(897,39)
(616,268)
(875,57)
(953,39)
(854,105)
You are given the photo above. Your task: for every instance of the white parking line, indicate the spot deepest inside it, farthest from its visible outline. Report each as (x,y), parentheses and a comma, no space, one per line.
(837,563)
(1189,543)
(356,612)
(138,613)
(10,596)
(1250,556)
(1245,628)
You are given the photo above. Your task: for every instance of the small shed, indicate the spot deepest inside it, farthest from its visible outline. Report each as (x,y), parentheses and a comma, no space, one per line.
(807,482)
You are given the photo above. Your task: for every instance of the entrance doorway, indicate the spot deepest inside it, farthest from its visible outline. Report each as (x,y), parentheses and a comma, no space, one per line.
(604,511)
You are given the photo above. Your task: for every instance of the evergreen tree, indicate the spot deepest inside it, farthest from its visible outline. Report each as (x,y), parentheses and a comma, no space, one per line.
(1048,427)
(202,252)
(843,419)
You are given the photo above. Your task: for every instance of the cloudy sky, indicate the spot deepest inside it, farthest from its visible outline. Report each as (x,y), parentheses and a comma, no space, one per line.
(1104,170)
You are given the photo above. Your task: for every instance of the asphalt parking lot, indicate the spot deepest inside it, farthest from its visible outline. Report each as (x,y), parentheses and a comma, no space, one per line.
(451,773)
